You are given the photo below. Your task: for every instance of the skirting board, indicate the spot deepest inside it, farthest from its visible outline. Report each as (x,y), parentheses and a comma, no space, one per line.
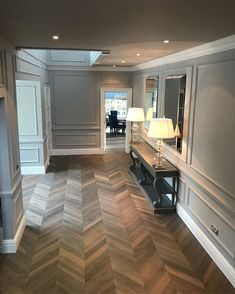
(11,245)
(206,243)
(35,170)
(78,151)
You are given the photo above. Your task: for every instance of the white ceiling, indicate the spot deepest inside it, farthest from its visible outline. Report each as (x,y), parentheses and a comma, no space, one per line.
(125,27)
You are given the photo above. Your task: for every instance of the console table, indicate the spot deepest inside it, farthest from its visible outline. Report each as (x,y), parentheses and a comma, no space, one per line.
(159,185)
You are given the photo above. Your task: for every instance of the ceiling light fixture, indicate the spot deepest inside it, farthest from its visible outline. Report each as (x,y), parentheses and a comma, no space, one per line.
(114,65)
(166,41)
(123,61)
(137,54)
(55,37)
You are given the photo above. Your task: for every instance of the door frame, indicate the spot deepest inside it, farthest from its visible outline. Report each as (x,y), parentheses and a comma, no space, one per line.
(102,116)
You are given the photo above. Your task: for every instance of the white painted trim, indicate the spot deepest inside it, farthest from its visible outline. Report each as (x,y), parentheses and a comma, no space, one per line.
(206,243)
(47,162)
(88,68)
(198,51)
(102,115)
(11,245)
(33,170)
(77,151)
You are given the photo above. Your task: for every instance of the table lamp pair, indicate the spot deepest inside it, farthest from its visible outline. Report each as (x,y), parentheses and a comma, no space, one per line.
(160,128)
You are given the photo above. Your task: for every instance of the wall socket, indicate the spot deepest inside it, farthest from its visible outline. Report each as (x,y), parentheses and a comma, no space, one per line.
(214,229)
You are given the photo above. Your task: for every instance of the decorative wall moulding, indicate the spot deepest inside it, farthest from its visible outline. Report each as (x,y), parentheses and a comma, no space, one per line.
(210,248)
(199,51)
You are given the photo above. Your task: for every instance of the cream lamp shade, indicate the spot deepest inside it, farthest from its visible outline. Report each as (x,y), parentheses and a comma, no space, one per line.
(177,131)
(149,115)
(135,114)
(161,128)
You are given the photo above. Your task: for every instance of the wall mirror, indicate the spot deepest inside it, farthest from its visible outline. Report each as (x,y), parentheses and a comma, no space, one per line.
(174,107)
(151,98)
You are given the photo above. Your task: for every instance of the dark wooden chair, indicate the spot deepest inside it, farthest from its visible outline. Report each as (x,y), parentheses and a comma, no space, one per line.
(114,112)
(114,125)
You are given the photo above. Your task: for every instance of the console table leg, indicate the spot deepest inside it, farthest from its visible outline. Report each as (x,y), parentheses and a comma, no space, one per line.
(133,159)
(175,190)
(144,178)
(157,192)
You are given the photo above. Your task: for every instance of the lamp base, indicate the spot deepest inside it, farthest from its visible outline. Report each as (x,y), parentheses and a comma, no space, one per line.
(158,160)
(158,157)
(134,133)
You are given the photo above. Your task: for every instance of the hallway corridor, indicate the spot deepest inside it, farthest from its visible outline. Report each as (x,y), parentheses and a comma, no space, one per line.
(89,230)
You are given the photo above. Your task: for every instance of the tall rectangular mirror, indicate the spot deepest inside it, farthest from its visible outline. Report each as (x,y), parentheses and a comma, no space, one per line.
(174,104)
(151,98)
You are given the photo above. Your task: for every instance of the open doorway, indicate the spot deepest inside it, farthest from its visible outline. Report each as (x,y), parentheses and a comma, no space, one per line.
(115,130)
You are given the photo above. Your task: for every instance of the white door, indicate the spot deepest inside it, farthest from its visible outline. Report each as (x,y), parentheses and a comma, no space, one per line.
(127,91)
(48,119)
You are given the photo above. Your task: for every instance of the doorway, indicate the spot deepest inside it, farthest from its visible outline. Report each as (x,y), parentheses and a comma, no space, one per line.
(115,130)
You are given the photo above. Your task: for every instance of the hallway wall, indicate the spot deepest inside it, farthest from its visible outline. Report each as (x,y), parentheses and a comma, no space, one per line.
(207,191)
(76,107)
(12,220)
(31,65)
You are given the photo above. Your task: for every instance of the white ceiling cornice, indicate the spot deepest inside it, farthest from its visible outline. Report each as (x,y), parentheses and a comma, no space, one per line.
(199,51)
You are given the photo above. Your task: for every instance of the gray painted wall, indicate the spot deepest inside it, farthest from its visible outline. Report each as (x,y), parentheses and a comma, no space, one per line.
(32,77)
(207,190)
(10,177)
(76,105)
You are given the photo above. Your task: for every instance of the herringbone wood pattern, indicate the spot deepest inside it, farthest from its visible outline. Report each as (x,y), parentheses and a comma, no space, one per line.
(89,230)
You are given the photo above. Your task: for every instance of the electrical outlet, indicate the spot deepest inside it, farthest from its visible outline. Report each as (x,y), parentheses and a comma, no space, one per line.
(214,229)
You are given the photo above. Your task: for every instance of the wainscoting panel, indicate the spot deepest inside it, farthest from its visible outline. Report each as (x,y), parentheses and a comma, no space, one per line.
(208,217)
(29,110)
(213,119)
(76,101)
(29,154)
(27,67)
(63,140)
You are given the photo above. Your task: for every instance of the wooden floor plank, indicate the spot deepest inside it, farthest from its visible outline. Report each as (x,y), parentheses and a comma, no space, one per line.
(89,230)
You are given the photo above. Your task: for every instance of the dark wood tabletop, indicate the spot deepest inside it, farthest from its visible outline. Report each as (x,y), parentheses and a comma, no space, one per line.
(146,153)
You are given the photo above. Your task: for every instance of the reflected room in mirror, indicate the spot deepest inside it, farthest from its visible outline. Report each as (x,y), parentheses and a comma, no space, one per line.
(175,88)
(151,99)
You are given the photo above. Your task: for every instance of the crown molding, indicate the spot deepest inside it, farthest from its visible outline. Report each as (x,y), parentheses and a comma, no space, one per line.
(87,68)
(199,51)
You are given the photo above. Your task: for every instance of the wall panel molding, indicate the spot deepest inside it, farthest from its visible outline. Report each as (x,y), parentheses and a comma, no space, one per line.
(32,152)
(216,68)
(227,231)
(207,244)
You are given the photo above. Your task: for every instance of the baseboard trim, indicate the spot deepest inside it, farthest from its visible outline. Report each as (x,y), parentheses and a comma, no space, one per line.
(11,245)
(33,170)
(206,243)
(77,151)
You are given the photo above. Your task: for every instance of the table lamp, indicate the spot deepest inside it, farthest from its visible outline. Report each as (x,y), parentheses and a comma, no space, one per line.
(135,115)
(149,115)
(160,128)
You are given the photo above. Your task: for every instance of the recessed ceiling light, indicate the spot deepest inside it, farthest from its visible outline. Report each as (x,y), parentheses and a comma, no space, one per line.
(166,41)
(137,54)
(55,37)
(123,61)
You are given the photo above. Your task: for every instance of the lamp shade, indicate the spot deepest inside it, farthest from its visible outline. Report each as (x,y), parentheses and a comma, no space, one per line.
(177,131)
(135,114)
(161,128)
(149,115)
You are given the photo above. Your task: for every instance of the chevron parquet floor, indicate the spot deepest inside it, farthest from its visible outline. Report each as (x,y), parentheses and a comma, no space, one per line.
(89,230)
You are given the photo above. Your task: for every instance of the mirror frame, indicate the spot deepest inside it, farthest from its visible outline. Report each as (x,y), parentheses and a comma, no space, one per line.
(188,72)
(148,76)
